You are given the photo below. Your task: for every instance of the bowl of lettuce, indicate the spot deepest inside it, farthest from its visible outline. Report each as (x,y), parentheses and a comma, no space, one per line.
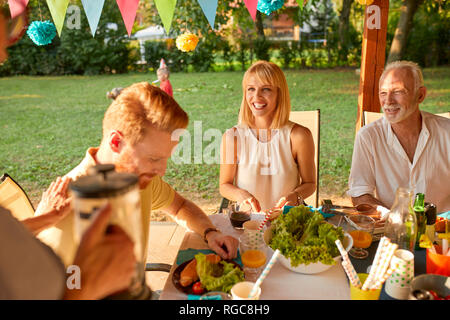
(306,241)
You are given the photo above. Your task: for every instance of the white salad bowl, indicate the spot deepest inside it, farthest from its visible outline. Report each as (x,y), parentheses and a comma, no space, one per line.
(310,268)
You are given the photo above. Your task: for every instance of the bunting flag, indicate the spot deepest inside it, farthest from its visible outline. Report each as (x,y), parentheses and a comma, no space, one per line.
(128,10)
(251,7)
(302,3)
(166,9)
(58,10)
(93,9)
(209,8)
(17,7)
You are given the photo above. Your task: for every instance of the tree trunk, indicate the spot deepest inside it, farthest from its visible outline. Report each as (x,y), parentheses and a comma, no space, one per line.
(405,23)
(260,26)
(344,23)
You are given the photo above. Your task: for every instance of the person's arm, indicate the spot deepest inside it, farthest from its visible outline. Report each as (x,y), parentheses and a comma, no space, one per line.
(302,144)
(228,167)
(367,199)
(54,206)
(190,216)
(361,181)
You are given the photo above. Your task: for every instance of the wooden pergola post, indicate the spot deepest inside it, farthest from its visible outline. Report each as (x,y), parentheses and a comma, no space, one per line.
(372,57)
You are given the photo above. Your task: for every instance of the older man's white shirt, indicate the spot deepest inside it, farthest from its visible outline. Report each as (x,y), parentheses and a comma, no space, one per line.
(380,164)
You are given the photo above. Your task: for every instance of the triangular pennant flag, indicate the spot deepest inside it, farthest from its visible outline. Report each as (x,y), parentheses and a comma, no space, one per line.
(128,10)
(166,9)
(58,10)
(17,7)
(251,7)
(93,9)
(301,3)
(209,8)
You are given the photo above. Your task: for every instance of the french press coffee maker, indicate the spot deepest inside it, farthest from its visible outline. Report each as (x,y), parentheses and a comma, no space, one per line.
(104,185)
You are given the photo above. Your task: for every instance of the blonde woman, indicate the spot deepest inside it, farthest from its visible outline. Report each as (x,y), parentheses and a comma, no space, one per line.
(267,161)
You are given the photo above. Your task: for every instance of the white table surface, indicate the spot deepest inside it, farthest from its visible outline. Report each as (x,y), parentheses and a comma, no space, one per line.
(281,283)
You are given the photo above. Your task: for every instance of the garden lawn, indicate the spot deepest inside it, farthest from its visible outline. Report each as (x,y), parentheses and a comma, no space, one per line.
(47,123)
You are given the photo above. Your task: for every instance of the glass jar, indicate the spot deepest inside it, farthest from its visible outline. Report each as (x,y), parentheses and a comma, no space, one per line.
(401,223)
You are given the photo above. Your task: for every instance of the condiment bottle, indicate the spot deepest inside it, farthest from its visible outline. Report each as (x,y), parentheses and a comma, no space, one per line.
(401,224)
(419,210)
(431,213)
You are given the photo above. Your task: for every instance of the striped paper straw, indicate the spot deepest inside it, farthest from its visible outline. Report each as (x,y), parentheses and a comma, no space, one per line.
(380,264)
(388,273)
(376,260)
(352,275)
(344,254)
(261,226)
(264,273)
(385,262)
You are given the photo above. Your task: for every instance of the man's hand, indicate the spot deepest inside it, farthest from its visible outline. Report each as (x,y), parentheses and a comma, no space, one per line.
(106,260)
(224,246)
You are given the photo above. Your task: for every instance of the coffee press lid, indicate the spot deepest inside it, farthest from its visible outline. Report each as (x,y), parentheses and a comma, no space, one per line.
(103,182)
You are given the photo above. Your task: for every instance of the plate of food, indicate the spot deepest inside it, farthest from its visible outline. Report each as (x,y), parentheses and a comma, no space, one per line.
(205,273)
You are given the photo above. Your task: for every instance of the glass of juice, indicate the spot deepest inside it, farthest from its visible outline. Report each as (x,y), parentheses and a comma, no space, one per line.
(360,227)
(253,251)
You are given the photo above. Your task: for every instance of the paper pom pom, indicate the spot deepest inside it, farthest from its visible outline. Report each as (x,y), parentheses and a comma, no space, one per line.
(187,42)
(41,32)
(268,6)
(365,2)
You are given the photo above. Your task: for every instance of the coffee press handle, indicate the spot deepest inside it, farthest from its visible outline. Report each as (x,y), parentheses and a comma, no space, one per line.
(102,169)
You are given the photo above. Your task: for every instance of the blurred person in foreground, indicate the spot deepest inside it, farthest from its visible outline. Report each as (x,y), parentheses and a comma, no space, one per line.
(31,270)
(407,147)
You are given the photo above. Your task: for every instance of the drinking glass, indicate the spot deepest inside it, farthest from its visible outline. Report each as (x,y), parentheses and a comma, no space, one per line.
(253,251)
(360,227)
(238,217)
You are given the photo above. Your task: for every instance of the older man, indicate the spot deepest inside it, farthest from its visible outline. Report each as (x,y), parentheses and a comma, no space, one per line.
(137,138)
(406,148)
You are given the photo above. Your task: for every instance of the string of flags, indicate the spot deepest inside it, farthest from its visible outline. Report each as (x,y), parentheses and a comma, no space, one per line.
(128,9)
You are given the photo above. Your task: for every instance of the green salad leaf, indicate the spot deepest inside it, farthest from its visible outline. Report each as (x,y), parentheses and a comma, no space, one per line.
(217,277)
(305,237)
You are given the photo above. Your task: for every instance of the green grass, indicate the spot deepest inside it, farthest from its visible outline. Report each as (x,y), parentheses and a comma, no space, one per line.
(48,122)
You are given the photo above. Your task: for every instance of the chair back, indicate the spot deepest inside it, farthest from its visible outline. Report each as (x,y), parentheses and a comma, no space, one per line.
(311,120)
(14,198)
(373,116)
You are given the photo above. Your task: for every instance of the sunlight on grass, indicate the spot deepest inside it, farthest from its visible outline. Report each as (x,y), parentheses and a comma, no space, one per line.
(20,96)
(44,140)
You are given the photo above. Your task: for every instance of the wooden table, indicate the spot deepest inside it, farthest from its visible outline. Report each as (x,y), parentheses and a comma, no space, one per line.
(281,283)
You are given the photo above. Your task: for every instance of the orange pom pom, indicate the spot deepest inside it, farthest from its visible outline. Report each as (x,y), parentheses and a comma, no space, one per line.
(187,42)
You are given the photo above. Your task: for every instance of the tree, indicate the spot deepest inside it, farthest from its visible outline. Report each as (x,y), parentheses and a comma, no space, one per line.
(344,24)
(405,23)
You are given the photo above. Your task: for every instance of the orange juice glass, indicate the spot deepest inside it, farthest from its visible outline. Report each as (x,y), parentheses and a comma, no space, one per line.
(360,227)
(361,239)
(253,258)
(253,254)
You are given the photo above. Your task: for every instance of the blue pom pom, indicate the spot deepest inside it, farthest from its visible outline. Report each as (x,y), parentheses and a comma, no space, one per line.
(268,6)
(41,32)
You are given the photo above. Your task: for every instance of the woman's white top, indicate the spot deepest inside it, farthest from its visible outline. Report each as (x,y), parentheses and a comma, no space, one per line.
(266,169)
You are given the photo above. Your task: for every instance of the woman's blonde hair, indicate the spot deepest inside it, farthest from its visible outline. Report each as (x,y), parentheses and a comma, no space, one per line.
(140,106)
(267,73)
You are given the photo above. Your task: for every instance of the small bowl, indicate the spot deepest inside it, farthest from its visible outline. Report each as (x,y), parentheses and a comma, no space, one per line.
(311,268)
(437,283)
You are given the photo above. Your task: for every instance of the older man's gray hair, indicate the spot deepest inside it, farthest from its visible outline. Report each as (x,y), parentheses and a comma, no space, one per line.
(403,64)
